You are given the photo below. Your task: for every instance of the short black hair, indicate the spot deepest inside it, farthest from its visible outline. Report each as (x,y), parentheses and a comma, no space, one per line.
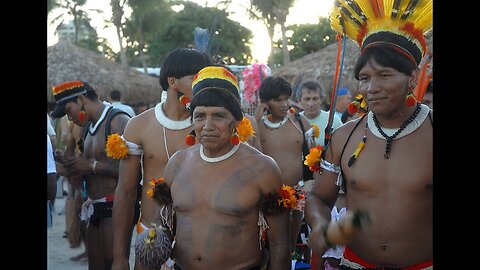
(216,97)
(386,57)
(429,87)
(272,87)
(115,95)
(182,62)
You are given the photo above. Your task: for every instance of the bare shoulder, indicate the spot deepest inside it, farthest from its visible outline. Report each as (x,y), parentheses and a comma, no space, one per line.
(137,125)
(340,135)
(119,122)
(269,175)
(179,158)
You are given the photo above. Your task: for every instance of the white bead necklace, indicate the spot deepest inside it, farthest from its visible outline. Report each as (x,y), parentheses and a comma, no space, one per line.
(272,125)
(169,123)
(220,158)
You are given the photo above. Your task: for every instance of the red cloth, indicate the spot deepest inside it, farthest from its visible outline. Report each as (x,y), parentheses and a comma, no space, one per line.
(351,256)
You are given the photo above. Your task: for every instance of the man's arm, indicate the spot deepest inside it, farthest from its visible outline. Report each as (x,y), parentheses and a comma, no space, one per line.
(278,236)
(278,232)
(320,202)
(129,173)
(123,209)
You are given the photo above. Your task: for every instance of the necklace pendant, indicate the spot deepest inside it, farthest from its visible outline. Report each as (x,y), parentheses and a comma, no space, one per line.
(386,155)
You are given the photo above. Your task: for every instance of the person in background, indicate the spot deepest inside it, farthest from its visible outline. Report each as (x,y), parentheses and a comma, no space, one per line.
(140,107)
(344,97)
(51,181)
(282,137)
(384,159)
(310,96)
(51,132)
(94,169)
(115,99)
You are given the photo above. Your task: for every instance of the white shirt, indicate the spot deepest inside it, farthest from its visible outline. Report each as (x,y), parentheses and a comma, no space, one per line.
(321,121)
(50,129)
(50,159)
(129,110)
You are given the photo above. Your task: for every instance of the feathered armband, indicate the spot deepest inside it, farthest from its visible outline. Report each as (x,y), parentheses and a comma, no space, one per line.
(277,202)
(160,191)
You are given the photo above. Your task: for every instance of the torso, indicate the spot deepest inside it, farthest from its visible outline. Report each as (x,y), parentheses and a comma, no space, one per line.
(217,211)
(397,193)
(284,145)
(98,186)
(155,156)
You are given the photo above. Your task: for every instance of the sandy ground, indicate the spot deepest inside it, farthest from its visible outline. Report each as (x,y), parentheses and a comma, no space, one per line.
(58,249)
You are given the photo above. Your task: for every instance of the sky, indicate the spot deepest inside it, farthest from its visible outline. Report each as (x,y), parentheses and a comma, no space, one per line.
(303,11)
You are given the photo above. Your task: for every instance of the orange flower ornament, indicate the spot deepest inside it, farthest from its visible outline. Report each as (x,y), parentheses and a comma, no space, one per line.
(245,130)
(289,197)
(116,147)
(312,160)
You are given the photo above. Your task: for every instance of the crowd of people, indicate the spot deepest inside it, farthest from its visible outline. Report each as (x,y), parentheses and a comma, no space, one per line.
(198,183)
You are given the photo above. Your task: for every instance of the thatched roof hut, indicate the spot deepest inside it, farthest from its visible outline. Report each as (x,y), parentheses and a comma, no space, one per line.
(67,62)
(320,66)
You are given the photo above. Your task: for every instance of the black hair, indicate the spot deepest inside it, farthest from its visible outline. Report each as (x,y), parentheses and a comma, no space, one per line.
(272,87)
(312,86)
(385,56)
(115,95)
(182,62)
(429,87)
(215,97)
(345,116)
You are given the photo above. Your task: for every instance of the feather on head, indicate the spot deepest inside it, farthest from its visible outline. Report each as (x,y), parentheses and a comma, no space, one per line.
(399,23)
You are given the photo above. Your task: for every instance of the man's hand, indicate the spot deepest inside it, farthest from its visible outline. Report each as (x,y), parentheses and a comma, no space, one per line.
(260,111)
(78,165)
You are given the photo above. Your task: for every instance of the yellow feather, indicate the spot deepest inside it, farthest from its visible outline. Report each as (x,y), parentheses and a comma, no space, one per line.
(421,15)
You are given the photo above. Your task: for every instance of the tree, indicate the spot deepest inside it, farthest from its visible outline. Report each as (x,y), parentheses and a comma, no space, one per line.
(117,17)
(309,38)
(51,4)
(273,12)
(145,22)
(228,38)
(74,9)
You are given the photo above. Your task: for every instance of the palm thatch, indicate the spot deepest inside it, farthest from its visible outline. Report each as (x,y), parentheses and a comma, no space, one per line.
(320,66)
(67,62)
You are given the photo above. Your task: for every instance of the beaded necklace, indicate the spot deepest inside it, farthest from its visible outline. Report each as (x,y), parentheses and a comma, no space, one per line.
(388,146)
(220,158)
(270,125)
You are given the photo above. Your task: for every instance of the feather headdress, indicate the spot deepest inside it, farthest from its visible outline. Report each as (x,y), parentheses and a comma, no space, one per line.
(399,23)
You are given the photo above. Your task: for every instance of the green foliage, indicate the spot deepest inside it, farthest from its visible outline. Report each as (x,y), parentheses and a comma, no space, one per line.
(308,38)
(228,38)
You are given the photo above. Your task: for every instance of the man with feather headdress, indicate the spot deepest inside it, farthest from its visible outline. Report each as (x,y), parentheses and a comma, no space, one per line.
(384,159)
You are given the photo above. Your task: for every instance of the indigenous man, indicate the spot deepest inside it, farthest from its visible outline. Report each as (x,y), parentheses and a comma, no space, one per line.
(154,136)
(79,101)
(383,159)
(282,137)
(222,189)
